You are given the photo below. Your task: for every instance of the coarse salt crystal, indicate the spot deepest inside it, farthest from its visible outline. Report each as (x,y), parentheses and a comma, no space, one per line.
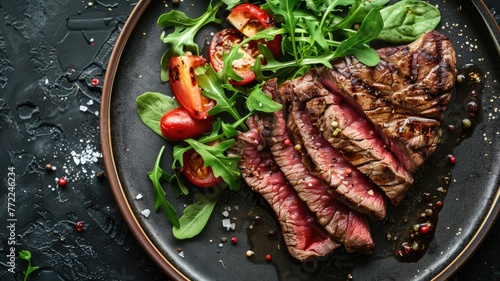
(139,196)
(83,108)
(146,212)
(225,214)
(226,223)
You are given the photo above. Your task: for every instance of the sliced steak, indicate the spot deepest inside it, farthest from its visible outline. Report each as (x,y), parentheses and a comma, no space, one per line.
(334,169)
(302,234)
(351,133)
(348,190)
(360,144)
(404,96)
(345,225)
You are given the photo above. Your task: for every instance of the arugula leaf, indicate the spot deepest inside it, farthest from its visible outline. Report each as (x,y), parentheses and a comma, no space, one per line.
(286,9)
(26,255)
(196,215)
(211,85)
(359,10)
(151,106)
(222,165)
(260,101)
(370,28)
(185,29)
(407,20)
(159,193)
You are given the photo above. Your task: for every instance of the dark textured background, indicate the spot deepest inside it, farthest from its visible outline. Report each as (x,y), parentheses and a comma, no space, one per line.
(50,52)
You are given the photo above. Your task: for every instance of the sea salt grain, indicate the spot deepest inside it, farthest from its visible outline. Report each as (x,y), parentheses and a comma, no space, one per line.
(138,197)
(146,213)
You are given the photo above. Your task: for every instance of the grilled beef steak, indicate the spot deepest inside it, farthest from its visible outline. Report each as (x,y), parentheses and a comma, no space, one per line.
(353,135)
(404,96)
(344,135)
(302,234)
(351,191)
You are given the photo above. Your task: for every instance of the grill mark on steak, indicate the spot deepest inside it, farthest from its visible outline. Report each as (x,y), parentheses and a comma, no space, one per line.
(404,96)
(302,234)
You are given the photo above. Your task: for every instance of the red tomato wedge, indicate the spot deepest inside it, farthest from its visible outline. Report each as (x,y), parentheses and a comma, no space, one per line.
(196,172)
(249,19)
(177,124)
(185,86)
(223,41)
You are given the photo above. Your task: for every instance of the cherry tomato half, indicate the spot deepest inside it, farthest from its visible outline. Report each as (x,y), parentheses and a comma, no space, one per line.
(177,125)
(185,86)
(223,41)
(249,19)
(196,172)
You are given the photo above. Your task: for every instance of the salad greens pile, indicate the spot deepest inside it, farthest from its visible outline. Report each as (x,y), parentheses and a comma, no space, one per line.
(314,32)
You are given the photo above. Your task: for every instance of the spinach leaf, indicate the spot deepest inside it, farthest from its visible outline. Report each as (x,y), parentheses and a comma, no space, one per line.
(151,106)
(155,176)
(407,20)
(196,215)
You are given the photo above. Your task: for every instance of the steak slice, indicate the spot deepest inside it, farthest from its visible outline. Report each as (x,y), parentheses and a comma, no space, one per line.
(404,96)
(352,134)
(360,144)
(332,168)
(273,128)
(302,234)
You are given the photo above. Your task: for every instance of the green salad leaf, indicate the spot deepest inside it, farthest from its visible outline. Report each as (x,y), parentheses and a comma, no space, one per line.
(405,21)
(151,106)
(196,215)
(161,202)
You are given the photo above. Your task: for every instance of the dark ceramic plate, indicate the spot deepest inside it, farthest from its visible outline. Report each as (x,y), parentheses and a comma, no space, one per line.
(470,203)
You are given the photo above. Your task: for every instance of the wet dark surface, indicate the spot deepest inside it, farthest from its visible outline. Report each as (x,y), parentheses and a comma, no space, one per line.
(53,56)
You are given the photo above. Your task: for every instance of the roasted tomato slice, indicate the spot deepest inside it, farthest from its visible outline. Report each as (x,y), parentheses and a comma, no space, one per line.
(249,19)
(184,84)
(223,41)
(177,124)
(196,172)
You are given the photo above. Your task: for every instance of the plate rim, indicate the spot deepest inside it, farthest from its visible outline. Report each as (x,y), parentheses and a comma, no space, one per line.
(130,218)
(107,147)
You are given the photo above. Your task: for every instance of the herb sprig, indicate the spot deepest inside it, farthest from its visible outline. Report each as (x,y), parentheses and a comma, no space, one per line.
(26,255)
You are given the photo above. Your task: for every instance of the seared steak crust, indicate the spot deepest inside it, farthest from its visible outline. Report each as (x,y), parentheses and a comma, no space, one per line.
(336,171)
(348,190)
(404,96)
(302,234)
(351,133)
(360,144)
